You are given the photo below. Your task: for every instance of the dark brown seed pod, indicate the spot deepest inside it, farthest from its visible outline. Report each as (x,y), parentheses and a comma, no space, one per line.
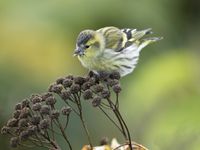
(50,100)
(60,80)
(87,94)
(67,83)
(65,94)
(105,94)
(18,106)
(16,114)
(23,123)
(117,88)
(25,112)
(96,101)
(45,110)
(55,114)
(79,80)
(66,110)
(44,124)
(115,75)
(35,120)
(24,135)
(12,122)
(25,103)
(5,130)
(74,88)
(36,107)
(14,141)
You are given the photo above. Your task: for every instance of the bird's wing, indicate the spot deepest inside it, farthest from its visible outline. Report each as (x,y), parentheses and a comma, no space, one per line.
(135,37)
(114,38)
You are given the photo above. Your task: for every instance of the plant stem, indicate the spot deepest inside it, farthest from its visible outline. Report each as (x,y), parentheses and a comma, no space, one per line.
(78,102)
(64,135)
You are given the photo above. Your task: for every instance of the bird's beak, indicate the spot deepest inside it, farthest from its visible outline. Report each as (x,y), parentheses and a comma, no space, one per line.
(78,51)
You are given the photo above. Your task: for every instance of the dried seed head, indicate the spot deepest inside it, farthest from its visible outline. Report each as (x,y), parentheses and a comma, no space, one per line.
(66,110)
(117,88)
(96,101)
(103,75)
(67,82)
(46,95)
(59,80)
(115,75)
(44,124)
(25,103)
(24,135)
(87,94)
(105,94)
(23,123)
(86,86)
(32,130)
(45,110)
(113,82)
(74,88)
(36,107)
(12,122)
(65,94)
(5,130)
(55,114)
(16,114)
(50,100)
(36,99)
(69,77)
(25,112)
(14,141)
(98,88)
(79,80)
(104,141)
(35,120)
(18,106)
(56,88)
(92,81)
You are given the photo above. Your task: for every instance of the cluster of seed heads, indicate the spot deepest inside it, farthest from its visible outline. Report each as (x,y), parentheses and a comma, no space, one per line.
(34,118)
(92,87)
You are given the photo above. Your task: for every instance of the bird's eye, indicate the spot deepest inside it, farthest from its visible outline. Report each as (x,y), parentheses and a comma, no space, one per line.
(87,46)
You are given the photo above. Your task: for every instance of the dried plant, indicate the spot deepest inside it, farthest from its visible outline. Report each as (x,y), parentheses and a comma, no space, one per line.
(36,120)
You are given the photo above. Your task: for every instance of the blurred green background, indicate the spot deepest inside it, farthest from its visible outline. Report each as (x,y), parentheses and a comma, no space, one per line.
(160,99)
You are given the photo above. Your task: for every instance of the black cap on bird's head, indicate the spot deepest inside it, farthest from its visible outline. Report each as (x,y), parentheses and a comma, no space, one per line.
(82,41)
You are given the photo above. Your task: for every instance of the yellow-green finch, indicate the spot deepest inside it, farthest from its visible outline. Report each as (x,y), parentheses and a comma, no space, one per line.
(111,49)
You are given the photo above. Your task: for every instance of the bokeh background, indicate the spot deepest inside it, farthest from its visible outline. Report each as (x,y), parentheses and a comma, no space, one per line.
(160,99)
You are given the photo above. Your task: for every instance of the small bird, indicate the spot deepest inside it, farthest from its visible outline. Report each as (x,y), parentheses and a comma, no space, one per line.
(111,49)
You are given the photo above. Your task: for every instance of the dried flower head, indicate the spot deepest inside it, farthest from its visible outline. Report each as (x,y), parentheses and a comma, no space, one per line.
(45,110)
(67,82)
(12,122)
(35,98)
(25,103)
(87,94)
(79,80)
(16,114)
(5,130)
(66,110)
(96,101)
(44,124)
(35,120)
(50,100)
(55,114)
(75,88)
(117,88)
(18,106)
(56,88)
(14,141)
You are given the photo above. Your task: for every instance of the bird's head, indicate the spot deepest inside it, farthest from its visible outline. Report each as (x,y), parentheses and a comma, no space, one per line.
(89,43)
